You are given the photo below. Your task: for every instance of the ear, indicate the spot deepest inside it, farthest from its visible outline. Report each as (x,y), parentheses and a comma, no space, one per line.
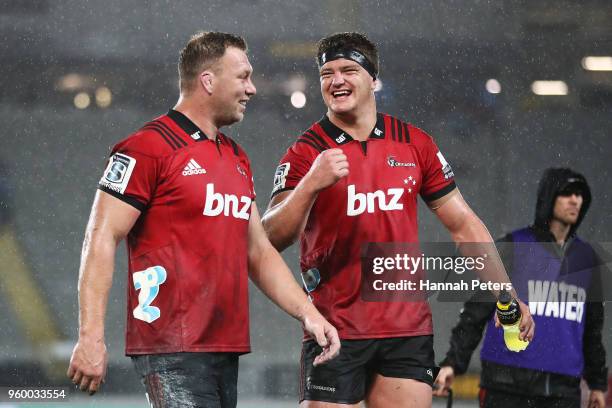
(207,80)
(373,85)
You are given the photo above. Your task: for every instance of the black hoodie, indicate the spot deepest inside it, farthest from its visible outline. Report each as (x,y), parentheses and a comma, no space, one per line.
(466,335)
(553,182)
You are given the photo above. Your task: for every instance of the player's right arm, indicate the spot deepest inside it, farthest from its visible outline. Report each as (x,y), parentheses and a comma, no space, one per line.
(286,216)
(110,221)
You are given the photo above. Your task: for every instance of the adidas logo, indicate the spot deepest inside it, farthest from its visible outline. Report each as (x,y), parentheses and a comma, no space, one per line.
(193,168)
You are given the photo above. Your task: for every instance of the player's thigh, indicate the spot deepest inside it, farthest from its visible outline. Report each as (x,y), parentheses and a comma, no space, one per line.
(398,392)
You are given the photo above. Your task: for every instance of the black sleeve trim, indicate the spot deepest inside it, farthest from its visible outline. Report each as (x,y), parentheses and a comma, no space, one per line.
(281,190)
(440,193)
(126,199)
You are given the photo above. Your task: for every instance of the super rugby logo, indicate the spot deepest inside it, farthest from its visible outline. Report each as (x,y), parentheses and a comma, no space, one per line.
(226,204)
(394,163)
(446,168)
(280,177)
(118,172)
(358,203)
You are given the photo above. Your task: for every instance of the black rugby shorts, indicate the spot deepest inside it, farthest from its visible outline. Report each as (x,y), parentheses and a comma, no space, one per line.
(346,379)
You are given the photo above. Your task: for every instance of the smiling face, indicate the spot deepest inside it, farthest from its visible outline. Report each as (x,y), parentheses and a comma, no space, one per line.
(345,86)
(233,86)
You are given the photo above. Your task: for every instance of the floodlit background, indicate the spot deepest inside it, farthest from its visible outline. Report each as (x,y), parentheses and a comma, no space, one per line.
(507,88)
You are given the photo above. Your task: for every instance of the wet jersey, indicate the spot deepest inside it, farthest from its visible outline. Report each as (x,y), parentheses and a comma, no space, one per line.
(376,202)
(188,281)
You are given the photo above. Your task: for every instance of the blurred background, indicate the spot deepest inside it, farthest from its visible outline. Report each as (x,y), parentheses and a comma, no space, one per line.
(507,88)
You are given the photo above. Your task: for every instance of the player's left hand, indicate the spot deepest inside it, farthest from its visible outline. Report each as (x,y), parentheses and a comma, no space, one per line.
(527,325)
(596,399)
(87,367)
(325,335)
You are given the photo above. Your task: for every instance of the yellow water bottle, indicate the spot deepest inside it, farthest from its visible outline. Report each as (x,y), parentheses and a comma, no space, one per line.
(509,315)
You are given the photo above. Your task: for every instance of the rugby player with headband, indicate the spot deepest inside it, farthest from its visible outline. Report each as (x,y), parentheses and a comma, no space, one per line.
(353,178)
(349,54)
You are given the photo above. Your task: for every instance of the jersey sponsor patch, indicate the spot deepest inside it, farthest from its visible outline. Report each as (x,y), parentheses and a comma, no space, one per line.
(359,203)
(118,172)
(446,168)
(226,204)
(280,177)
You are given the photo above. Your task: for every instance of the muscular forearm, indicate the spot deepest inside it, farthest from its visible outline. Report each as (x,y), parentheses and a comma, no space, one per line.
(95,281)
(474,240)
(285,221)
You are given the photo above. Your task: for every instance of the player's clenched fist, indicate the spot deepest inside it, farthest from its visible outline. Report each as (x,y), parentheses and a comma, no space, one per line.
(329,167)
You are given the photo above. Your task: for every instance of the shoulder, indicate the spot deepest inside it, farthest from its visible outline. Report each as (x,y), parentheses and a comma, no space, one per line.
(414,134)
(506,238)
(155,139)
(311,141)
(236,148)
(308,144)
(582,244)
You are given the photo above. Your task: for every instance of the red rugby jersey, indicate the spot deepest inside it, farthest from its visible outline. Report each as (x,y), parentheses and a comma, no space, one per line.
(188,281)
(376,202)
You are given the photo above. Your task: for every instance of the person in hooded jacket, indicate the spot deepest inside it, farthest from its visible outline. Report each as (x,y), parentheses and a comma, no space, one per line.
(561,275)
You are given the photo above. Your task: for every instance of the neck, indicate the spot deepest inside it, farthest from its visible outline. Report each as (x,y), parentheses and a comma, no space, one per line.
(560,230)
(198,114)
(358,124)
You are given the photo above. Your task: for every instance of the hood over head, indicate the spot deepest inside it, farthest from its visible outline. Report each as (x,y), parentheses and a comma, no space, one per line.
(553,182)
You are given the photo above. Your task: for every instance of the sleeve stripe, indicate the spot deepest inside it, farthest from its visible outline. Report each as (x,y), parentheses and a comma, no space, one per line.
(168,132)
(320,147)
(171,132)
(319,138)
(234,146)
(440,193)
(407,138)
(126,199)
(281,190)
(403,128)
(396,130)
(317,148)
(163,135)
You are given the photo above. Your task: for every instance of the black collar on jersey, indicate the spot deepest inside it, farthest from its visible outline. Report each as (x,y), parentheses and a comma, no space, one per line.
(341,137)
(188,126)
(349,54)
